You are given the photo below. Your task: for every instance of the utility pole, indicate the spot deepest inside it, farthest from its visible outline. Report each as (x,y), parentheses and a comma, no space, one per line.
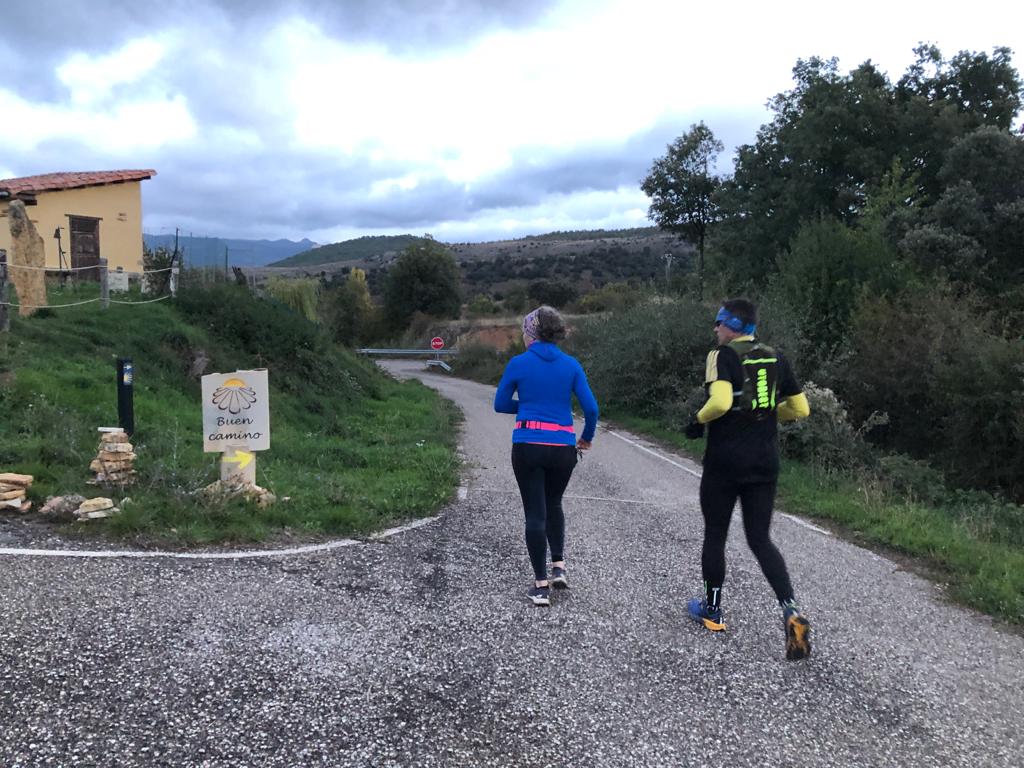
(668,267)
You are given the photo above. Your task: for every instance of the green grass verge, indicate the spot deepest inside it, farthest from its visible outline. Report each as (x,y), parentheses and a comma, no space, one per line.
(982,568)
(352,449)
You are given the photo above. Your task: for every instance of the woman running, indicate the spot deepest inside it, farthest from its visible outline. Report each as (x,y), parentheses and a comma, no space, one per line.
(544,445)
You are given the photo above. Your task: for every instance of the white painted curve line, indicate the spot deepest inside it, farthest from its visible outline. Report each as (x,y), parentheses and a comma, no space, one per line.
(653,453)
(252,554)
(804,523)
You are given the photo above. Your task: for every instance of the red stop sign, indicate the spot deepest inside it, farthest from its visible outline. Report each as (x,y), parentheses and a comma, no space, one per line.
(437,343)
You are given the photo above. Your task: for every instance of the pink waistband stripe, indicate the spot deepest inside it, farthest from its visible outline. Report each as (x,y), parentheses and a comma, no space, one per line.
(547,426)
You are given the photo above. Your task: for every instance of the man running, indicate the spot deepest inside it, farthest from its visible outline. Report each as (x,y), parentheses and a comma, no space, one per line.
(750,387)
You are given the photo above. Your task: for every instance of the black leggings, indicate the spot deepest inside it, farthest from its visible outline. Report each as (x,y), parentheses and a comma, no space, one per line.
(718,494)
(543,472)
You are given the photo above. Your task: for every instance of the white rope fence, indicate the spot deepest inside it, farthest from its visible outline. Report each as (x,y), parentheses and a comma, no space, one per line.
(78,269)
(103,271)
(142,301)
(49,306)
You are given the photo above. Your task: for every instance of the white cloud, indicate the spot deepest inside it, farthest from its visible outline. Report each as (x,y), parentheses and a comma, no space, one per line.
(91,79)
(126,127)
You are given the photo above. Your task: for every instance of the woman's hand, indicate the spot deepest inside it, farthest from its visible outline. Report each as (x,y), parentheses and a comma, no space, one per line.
(582,445)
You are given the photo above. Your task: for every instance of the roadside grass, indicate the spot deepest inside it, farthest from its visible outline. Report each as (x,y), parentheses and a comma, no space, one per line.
(981,562)
(351,449)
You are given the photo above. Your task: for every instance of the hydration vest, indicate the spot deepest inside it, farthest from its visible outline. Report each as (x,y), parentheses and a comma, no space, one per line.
(760,364)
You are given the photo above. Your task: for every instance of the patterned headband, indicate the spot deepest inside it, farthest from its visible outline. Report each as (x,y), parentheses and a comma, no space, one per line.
(531,323)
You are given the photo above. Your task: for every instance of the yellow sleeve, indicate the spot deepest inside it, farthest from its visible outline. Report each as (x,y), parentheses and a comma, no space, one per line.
(719,402)
(793,408)
(711,367)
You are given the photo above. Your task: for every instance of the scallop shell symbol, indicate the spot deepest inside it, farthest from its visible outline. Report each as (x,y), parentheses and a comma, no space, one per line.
(233,396)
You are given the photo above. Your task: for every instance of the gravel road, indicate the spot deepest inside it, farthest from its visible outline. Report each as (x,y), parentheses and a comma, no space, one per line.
(420,649)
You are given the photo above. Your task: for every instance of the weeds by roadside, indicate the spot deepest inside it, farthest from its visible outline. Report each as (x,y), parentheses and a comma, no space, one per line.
(352,449)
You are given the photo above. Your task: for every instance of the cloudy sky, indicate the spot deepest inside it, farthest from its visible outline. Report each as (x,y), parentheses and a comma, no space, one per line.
(468,119)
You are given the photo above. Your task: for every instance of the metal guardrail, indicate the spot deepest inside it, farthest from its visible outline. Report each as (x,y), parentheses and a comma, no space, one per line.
(437,361)
(407,352)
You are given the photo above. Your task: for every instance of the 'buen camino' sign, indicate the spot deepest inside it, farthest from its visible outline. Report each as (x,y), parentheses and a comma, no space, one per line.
(236,411)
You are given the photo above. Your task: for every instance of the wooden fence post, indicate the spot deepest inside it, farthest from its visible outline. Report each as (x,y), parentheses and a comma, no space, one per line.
(5,317)
(104,285)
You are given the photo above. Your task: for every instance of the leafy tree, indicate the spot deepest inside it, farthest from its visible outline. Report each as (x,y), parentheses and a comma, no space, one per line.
(682,189)
(834,138)
(552,292)
(516,300)
(349,309)
(425,278)
(820,278)
(973,233)
(298,294)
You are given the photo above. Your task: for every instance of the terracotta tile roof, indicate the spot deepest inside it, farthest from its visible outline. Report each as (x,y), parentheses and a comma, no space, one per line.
(49,182)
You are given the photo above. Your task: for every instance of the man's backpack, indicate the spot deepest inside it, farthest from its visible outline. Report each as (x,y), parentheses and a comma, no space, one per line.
(760,365)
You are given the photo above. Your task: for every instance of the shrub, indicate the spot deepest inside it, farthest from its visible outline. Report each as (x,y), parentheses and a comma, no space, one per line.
(648,358)
(951,384)
(264,333)
(827,439)
(612,297)
(480,362)
(481,305)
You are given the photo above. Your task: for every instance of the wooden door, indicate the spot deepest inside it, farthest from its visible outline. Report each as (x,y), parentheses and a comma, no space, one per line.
(85,246)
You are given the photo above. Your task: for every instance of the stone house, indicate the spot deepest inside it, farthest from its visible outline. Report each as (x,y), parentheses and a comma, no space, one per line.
(82,217)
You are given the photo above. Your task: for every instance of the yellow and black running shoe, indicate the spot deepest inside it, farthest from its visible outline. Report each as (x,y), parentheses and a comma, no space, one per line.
(699,612)
(798,635)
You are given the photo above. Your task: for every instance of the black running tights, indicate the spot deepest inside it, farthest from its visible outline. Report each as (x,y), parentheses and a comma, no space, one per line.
(543,472)
(718,495)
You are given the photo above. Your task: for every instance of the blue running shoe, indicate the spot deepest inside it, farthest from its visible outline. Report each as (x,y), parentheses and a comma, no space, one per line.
(559,578)
(539,595)
(798,634)
(698,610)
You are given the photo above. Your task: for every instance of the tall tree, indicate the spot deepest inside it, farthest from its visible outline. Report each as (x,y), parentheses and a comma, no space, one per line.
(425,278)
(834,137)
(682,189)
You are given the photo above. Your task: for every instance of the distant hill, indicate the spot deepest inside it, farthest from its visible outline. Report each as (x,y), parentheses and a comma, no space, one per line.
(595,234)
(359,249)
(209,251)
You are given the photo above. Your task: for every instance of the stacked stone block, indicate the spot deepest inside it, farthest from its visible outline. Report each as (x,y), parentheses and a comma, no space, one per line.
(115,461)
(13,488)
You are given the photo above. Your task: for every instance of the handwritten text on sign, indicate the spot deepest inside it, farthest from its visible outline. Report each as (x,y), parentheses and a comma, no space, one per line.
(236,410)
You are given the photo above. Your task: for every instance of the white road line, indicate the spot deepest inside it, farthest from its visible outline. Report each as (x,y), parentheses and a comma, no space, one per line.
(789,517)
(573,496)
(251,554)
(804,523)
(653,453)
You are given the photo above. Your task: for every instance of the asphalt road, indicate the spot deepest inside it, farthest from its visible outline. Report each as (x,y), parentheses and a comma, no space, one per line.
(421,649)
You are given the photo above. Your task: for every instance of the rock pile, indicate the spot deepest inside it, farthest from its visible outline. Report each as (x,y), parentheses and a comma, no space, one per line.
(95,509)
(115,461)
(13,488)
(61,509)
(221,491)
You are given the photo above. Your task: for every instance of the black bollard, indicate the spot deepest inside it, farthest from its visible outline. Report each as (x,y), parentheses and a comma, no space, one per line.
(126,395)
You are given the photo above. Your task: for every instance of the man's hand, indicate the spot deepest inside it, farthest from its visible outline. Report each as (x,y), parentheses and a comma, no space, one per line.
(694,430)
(582,445)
